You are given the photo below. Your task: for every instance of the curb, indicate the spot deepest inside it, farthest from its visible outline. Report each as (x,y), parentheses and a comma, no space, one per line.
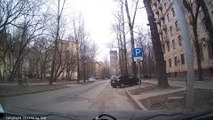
(33,92)
(137,103)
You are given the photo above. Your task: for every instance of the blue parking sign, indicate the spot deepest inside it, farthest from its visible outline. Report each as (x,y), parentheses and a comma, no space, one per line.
(137,53)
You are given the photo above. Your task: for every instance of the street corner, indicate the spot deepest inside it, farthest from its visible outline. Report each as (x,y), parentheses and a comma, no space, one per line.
(148,95)
(136,101)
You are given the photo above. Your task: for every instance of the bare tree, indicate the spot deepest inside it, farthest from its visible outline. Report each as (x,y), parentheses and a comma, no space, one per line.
(160,63)
(11,14)
(119,28)
(207,21)
(106,69)
(131,22)
(57,38)
(11,10)
(80,37)
(189,5)
(38,58)
(28,28)
(148,65)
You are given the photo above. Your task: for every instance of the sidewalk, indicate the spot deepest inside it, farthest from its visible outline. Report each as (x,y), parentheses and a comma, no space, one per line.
(137,98)
(40,83)
(198,84)
(12,89)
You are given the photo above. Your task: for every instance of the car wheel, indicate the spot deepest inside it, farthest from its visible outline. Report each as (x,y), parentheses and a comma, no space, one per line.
(113,86)
(122,85)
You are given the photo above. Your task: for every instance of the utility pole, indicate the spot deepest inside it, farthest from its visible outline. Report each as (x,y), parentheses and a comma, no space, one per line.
(188,52)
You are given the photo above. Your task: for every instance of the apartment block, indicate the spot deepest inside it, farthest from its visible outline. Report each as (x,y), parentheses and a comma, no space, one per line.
(65,60)
(171,38)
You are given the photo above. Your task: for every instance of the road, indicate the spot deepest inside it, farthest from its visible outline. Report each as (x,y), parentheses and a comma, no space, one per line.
(95,96)
(80,103)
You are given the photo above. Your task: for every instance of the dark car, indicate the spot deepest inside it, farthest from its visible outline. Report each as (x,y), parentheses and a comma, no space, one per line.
(122,80)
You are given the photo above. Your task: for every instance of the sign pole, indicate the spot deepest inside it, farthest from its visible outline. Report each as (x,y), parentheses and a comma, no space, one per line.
(138,53)
(139,72)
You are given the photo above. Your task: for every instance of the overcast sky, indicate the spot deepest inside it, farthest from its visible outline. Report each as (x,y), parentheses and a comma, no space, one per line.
(98,16)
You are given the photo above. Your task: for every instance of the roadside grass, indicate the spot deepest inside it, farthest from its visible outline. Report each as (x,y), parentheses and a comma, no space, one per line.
(8,90)
(174,101)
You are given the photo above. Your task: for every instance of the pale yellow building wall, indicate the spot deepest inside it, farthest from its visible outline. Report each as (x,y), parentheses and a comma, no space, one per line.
(167,38)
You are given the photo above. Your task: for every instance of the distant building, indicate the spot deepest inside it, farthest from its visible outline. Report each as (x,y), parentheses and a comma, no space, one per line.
(171,39)
(122,60)
(66,58)
(94,69)
(113,62)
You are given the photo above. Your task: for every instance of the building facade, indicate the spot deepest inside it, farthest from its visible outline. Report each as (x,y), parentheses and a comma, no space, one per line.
(93,69)
(66,63)
(113,62)
(171,39)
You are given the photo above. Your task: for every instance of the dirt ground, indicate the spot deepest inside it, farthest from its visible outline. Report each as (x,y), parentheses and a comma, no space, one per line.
(203,99)
(149,88)
(8,90)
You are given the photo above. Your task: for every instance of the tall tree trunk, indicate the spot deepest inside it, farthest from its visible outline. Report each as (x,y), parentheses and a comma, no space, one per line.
(124,40)
(197,49)
(78,62)
(197,46)
(160,64)
(55,48)
(208,22)
(194,16)
(131,28)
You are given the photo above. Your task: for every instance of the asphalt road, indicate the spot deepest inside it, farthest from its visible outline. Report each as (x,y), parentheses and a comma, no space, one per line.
(80,103)
(95,96)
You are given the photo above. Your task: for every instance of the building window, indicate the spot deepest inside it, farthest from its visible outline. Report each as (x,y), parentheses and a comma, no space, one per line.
(176,61)
(168,19)
(168,46)
(173,12)
(179,40)
(182,59)
(170,63)
(170,30)
(173,44)
(176,25)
